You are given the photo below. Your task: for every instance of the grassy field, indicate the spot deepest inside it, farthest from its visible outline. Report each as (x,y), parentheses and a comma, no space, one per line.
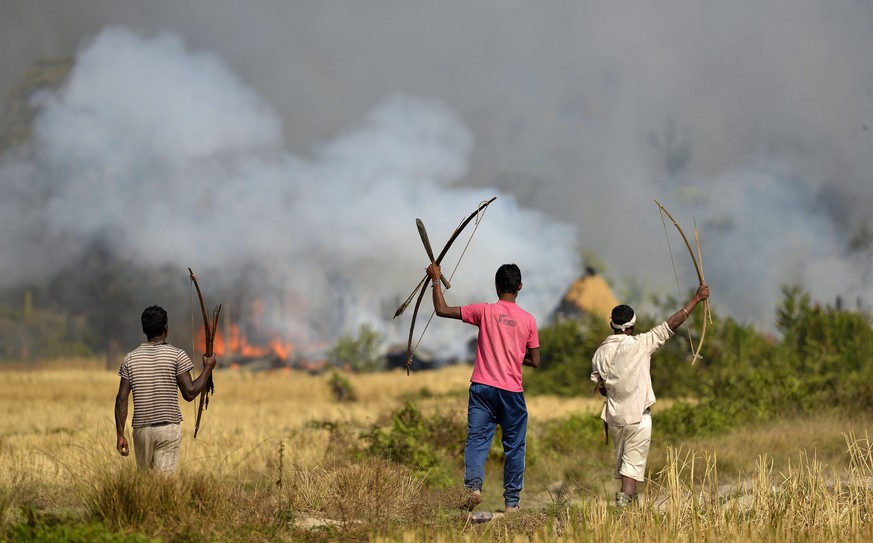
(278,458)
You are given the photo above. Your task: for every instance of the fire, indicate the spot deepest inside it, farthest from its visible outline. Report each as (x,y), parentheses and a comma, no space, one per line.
(236,343)
(283,350)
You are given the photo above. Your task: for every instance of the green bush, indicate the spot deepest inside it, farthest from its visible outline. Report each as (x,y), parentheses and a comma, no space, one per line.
(578,432)
(684,420)
(360,354)
(565,350)
(341,388)
(823,360)
(429,446)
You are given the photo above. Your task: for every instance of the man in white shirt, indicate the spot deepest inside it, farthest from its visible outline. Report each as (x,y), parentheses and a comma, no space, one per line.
(621,371)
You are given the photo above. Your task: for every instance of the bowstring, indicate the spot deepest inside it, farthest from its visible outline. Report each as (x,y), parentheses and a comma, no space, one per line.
(193,338)
(478,220)
(675,273)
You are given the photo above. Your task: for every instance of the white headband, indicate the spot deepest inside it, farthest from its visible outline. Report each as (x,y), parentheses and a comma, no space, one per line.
(625,326)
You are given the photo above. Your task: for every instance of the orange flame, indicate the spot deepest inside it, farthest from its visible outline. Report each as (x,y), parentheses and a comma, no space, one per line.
(237,344)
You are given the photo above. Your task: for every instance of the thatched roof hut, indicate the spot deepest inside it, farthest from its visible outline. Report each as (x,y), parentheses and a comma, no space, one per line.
(588,294)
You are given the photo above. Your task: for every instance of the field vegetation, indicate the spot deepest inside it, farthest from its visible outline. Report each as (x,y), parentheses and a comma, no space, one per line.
(763,439)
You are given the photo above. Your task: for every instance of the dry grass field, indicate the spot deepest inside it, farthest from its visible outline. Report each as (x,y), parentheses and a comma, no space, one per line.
(262,468)
(56,420)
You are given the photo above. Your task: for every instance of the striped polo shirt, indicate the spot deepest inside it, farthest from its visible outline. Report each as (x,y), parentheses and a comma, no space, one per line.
(151,369)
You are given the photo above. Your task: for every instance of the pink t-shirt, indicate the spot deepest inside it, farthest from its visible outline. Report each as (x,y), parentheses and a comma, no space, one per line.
(505,332)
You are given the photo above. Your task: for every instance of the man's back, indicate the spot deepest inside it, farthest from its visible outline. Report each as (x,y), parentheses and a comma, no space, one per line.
(506,331)
(152,369)
(623,363)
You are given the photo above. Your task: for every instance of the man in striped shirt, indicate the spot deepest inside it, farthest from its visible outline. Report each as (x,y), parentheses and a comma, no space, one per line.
(153,371)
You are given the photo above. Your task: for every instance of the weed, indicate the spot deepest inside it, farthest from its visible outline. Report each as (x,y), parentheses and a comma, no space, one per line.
(281,468)
(341,388)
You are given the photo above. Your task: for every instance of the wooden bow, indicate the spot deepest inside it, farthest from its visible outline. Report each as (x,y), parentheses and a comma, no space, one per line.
(698,267)
(209,328)
(438,260)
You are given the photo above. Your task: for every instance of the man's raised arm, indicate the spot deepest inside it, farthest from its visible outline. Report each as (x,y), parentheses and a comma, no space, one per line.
(439,302)
(676,320)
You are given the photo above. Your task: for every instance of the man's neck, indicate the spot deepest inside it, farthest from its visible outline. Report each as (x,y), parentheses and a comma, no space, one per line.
(507,297)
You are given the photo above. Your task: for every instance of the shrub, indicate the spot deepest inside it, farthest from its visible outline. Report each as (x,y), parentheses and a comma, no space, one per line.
(360,354)
(578,432)
(566,348)
(341,388)
(823,362)
(683,420)
(429,446)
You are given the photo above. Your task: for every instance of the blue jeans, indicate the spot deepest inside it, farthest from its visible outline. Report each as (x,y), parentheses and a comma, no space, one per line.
(489,406)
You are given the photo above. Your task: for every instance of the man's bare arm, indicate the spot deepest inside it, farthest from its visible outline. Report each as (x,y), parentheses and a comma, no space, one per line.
(121,401)
(676,320)
(532,360)
(439,302)
(191,389)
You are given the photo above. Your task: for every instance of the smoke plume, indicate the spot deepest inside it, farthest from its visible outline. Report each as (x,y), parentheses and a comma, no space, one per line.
(754,118)
(164,154)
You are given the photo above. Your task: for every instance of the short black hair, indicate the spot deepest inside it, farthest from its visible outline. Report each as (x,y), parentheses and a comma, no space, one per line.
(508,278)
(622,314)
(154,319)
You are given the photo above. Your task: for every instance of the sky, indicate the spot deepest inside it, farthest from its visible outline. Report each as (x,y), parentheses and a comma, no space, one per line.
(308,136)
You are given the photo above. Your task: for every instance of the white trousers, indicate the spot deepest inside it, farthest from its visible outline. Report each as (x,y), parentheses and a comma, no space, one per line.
(157,447)
(632,448)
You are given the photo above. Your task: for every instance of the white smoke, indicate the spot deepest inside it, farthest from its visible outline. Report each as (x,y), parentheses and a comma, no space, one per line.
(763,229)
(584,111)
(165,152)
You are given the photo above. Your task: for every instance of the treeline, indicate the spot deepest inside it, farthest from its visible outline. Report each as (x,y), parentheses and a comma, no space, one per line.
(822,361)
(91,308)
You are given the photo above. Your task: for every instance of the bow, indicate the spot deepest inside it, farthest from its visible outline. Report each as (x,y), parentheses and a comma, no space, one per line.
(422,231)
(209,327)
(698,267)
(402,308)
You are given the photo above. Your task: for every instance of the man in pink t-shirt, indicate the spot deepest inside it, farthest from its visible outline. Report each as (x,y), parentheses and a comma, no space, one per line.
(508,339)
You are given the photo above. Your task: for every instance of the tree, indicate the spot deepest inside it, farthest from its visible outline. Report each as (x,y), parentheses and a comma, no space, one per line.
(360,354)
